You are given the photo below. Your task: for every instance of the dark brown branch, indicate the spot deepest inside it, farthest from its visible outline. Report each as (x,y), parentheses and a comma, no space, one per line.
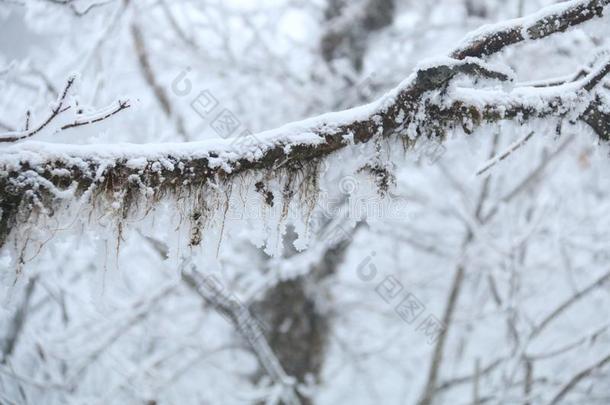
(493,39)
(413,109)
(598,119)
(595,77)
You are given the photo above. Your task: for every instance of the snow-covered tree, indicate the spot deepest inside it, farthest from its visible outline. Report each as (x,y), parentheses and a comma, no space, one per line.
(436,233)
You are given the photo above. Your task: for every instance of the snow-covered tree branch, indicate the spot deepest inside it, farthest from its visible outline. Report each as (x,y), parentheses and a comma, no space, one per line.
(38,177)
(438,232)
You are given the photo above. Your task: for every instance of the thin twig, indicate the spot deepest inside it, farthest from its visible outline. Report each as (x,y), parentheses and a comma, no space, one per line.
(498,158)
(577,378)
(77,123)
(568,303)
(55,112)
(12,137)
(80,13)
(27,120)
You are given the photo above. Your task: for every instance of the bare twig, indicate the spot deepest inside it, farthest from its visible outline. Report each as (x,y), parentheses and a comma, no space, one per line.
(59,108)
(122,105)
(468,378)
(577,378)
(493,161)
(17,323)
(568,303)
(589,338)
(526,182)
(430,387)
(71,4)
(27,120)
(55,112)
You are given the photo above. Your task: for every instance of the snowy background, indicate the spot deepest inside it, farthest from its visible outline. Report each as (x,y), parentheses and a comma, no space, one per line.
(509,271)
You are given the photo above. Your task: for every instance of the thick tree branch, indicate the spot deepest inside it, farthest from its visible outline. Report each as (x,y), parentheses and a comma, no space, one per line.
(493,38)
(35,175)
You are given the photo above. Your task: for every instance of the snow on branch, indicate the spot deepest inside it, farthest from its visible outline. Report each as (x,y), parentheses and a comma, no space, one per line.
(59,108)
(210,290)
(492,38)
(37,179)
